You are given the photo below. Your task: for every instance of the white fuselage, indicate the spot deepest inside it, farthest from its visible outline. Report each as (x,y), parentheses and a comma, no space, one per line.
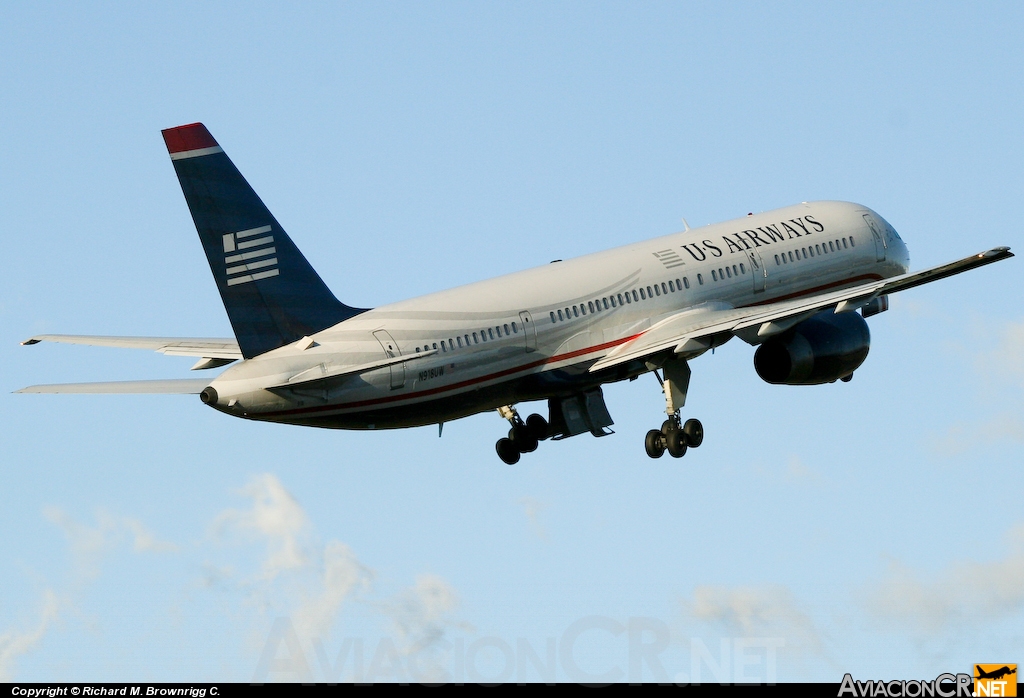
(533,334)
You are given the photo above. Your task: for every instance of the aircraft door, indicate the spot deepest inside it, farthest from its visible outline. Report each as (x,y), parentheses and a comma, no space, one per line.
(529,330)
(876,233)
(390,347)
(758,270)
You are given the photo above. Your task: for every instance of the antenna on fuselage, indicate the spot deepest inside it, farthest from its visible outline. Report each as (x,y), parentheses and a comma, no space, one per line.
(686,226)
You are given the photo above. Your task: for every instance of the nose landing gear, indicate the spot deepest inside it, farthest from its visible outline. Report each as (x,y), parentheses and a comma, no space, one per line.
(523,437)
(673,436)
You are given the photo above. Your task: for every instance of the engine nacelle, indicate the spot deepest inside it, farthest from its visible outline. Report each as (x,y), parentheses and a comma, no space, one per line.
(821,349)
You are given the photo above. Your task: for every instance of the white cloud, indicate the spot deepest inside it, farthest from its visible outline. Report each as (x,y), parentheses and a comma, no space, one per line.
(533,509)
(89,543)
(14,644)
(275,517)
(1007,358)
(756,612)
(966,594)
(342,574)
(960,438)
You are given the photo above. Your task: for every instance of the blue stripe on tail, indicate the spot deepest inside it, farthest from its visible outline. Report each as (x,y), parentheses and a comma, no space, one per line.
(271,293)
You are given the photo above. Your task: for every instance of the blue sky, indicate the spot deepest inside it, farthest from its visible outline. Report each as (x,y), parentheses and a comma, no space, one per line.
(867,527)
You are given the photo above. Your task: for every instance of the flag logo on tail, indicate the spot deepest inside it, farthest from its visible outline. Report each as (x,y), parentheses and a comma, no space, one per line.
(249,255)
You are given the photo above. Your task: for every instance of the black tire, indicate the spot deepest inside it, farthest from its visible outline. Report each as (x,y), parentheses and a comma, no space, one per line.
(655,444)
(694,431)
(668,425)
(522,438)
(675,443)
(507,451)
(538,426)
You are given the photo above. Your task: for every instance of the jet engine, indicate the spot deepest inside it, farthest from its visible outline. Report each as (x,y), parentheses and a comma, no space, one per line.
(822,349)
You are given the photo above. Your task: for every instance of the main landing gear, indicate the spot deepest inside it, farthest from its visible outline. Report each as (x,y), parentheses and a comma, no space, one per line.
(674,437)
(523,437)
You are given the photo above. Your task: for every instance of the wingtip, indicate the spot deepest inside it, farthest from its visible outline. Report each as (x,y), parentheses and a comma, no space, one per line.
(30,341)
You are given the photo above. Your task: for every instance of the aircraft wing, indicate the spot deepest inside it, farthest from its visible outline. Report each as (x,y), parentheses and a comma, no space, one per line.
(185,386)
(218,351)
(695,330)
(323,372)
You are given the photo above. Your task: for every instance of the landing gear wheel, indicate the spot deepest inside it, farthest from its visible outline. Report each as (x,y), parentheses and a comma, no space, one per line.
(669,425)
(655,444)
(675,442)
(538,426)
(694,432)
(507,451)
(522,438)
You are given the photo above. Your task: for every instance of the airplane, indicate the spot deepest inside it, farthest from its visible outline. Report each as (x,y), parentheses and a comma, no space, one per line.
(797,283)
(995,674)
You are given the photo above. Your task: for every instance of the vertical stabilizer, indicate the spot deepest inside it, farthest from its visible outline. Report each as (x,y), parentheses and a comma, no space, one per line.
(271,293)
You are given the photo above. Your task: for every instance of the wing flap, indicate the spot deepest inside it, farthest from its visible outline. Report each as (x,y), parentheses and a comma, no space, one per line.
(181,386)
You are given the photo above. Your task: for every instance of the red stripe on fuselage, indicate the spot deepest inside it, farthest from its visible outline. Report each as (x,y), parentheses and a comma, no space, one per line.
(189,137)
(454,386)
(535,364)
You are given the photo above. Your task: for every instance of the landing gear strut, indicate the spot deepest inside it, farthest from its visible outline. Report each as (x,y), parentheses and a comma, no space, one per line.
(523,437)
(673,436)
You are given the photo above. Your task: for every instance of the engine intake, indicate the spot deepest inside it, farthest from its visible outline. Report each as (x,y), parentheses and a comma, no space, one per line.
(821,349)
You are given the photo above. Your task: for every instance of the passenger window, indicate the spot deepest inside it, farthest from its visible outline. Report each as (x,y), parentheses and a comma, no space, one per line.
(417,350)
(642,294)
(700,279)
(590,304)
(817,249)
(743,269)
(728,272)
(515,328)
(443,348)
(777,261)
(634,295)
(506,330)
(620,299)
(804,250)
(686,282)
(628,299)
(560,314)
(853,243)
(604,301)
(435,346)
(467,339)
(657,291)
(734,271)
(649,294)
(664,287)
(490,333)
(583,309)
(714,275)
(460,341)
(451,344)
(552,316)
(575,312)
(844,244)
(476,340)
(831,247)
(672,286)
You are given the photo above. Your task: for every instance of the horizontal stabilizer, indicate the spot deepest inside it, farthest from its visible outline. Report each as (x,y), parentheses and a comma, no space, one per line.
(207,348)
(181,386)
